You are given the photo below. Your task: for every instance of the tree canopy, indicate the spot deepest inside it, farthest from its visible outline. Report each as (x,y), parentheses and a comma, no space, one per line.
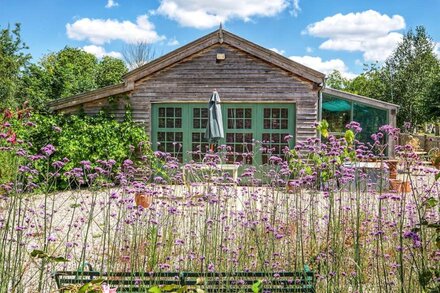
(56,75)
(68,72)
(13,63)
(410,77)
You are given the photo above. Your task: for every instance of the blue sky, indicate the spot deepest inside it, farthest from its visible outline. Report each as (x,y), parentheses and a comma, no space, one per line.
(323,34)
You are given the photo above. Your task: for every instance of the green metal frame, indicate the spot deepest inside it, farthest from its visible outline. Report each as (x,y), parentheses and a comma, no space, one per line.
(249,122)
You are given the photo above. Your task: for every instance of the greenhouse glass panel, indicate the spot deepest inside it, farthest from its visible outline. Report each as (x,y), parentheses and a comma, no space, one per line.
(337,112)
(370,119)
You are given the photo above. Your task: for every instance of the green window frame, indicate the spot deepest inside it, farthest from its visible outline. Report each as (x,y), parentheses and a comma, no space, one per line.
(244,125)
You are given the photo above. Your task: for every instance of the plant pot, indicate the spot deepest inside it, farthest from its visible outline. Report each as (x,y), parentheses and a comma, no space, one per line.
(406,186)
(143,200)
(392,166)
(395,185)
(400,186)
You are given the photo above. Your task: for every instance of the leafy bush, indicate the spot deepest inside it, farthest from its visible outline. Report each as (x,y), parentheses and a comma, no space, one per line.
(79,138)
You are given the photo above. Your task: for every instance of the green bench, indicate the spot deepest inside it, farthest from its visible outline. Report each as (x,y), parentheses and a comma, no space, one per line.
(191,281)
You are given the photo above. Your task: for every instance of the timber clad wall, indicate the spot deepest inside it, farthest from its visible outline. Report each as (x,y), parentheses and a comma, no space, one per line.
(248,74)
(239,78)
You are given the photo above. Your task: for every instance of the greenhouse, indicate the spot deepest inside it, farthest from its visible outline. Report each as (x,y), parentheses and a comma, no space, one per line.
(338,108)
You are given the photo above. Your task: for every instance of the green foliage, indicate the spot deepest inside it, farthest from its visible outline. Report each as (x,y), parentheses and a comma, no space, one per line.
(371,83)
(336,81)
(110,71)
(410,78)
(42,255)
(171,288)
(8,166)
(412,69)
(256,287)
(87,138)
(433,98)
(13,62)
(349,136)
(69,72)
(323,128)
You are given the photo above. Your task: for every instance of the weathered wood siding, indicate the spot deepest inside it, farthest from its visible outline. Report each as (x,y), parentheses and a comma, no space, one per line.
(239,78)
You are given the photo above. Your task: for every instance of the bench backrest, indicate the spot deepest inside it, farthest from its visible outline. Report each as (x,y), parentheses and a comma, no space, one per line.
(208,282)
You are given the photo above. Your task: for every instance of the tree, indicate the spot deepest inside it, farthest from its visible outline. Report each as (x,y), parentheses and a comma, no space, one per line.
(371,83)
(336,81)
(411,71)
(69,72)
(13,61)
(110,71)
(136,55)
(433,99)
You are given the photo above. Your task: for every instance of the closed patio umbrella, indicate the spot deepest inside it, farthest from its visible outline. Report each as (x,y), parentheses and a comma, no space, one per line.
(214,128)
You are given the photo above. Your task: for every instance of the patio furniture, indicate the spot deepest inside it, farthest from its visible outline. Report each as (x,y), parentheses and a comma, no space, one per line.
(375,172)
(205,167)
(208,281)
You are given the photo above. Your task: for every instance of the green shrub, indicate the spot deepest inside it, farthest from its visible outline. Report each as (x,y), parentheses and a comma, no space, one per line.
(84,138)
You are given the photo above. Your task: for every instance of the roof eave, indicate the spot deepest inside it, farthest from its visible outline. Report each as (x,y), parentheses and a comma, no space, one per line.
(88,96)
(359,98)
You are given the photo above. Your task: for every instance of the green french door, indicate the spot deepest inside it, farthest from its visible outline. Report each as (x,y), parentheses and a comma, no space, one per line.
(253,132)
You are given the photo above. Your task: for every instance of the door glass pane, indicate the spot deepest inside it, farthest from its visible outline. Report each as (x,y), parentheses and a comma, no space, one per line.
(199,145)
(239,144)
(274,144)
(239,147)
(169,134)
(275,118)
(276,130)
(239,118)
(200,117)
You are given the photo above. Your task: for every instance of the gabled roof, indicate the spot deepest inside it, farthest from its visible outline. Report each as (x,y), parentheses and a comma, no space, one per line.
(360,99)
(224,37)
(219,36)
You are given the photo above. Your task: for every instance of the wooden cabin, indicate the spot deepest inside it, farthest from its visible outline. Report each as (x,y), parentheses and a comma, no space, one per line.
(264,96)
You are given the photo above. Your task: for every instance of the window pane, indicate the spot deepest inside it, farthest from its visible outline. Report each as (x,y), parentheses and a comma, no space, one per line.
(161,112)
(337,112)
(275,118)
(178,112)
(240,145)
(273,145)
(370,119)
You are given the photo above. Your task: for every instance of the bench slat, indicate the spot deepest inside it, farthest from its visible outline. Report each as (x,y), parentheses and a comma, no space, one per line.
(207,281)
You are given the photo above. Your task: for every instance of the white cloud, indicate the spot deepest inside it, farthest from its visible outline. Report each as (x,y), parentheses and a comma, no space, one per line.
(173,42)
(369,32)
(281,52)
(100,31)
(100,52)
(358,62)
(309,49)
(204,14)
(111,3)
(324,66)
(295,9)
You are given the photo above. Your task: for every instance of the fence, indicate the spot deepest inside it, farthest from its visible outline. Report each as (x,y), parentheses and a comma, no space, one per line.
(426,142)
